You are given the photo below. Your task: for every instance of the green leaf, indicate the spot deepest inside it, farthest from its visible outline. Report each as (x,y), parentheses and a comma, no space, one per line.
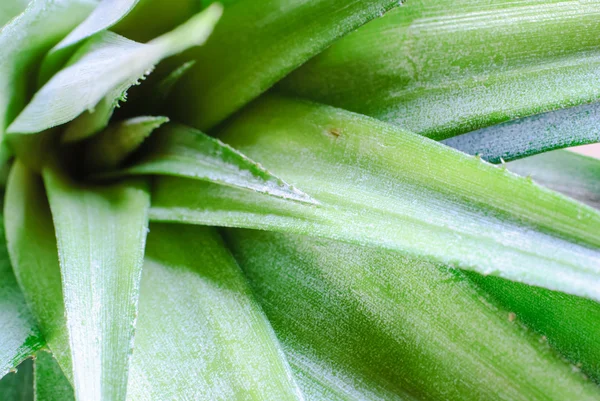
(107,63)
(34,255)
(50,382)
(381,185)
(24,40)
(362,323)
(101,232)
(19,336)
(18,386)
(444,67)
(178,150)
(200,334)
(570,173)
(104,16)
(112,146)
(532,135)
(11,8)
(256,44)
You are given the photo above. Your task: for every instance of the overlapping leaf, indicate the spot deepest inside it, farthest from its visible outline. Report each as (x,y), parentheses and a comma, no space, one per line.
(362,323)
(107,64)
(256,44)
(443,68)
(381,185)
(200,323)
(100,235)
(178,150)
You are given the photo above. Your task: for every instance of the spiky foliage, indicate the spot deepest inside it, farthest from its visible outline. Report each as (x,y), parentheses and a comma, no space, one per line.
(293,200)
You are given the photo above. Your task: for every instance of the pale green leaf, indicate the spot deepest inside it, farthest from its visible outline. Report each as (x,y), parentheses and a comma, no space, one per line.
(381,185)
(33,252)
(572,174)
(200,334)
(50,382)
(18,386)
(446,67)
(106,63)
(19,336)
(532,135)
(11,8)
(104,16)
(24,40)
(361,323)
(178,150)
(112,146)
(100,233)
(256,44)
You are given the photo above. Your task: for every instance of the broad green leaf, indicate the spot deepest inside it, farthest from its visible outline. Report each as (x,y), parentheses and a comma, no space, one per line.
(568,323)
(18,386)
(11,8)
(24,40)
(34,255)
(50,382)
(200,334)
(572,174)
(361,323)
(104,16)
(379,184)
(19,336)
(178,150)
(446,67)
(106,63)
(101,232)
(256,44)
(109,148)
(532,135)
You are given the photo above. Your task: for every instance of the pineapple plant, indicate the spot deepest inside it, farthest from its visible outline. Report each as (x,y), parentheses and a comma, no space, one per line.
(299,200)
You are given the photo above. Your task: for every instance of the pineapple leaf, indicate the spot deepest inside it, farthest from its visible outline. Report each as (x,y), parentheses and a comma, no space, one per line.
(19,337)
(106,63)
(34,255)
(256,44)
(362,323)
(101,234)
(381,185)
(110,147)
(442,68)
(532,135)
(570,173)
(104,16)
(11,8)
(18,386)
(50,383)
(178,150)
(24,40)
(197,309)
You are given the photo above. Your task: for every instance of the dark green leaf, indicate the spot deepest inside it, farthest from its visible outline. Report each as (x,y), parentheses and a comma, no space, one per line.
(50,382)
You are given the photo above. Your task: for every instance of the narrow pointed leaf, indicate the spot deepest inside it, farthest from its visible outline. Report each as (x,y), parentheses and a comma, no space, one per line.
(34,254)
(444,68)
(19,336)
(178,150)
(112,146)
(572,174)
(256,44)
(106,63)
(104,16)
(50,382)
(101,233)
(381,185)
(532,135)
(18,386)
(201,335)
(24,40)
(362,323)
